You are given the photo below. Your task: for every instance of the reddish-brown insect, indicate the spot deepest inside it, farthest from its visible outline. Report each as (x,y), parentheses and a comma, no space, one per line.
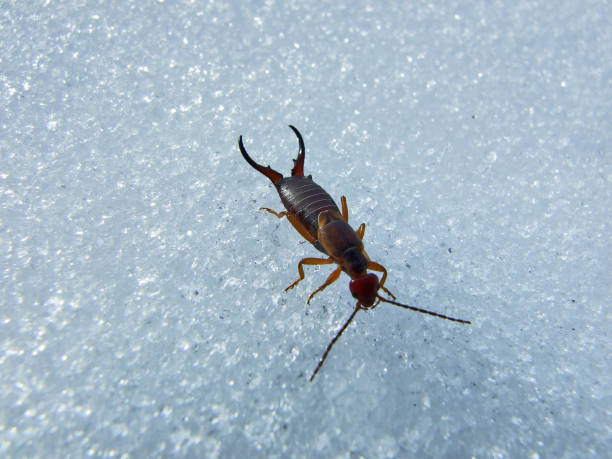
(315,215)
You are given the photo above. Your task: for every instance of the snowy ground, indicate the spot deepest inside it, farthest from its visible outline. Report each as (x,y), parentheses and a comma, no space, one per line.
(142,307)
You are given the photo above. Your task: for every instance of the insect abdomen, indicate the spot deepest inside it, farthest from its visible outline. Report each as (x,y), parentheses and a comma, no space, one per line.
(305,200)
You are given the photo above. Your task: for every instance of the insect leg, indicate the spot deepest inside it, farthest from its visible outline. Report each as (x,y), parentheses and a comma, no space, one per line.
(309,261)
(344,208)
(381,269)
(333,277)
(345,216)
(275,213)
(361,230)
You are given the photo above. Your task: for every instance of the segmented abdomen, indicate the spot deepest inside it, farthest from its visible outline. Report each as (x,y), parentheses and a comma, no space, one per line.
(306,200)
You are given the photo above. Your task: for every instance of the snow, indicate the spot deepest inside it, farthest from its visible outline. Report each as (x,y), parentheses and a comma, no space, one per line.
(142,308)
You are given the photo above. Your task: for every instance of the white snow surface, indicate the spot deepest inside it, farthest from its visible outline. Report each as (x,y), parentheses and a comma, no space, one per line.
(142,307)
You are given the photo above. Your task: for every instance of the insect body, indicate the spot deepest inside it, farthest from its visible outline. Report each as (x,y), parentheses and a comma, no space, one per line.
(315,215)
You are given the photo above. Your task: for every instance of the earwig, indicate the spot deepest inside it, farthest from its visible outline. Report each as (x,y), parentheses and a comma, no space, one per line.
(315,215)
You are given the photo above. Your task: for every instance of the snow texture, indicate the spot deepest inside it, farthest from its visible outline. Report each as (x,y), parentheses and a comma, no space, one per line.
(142,305)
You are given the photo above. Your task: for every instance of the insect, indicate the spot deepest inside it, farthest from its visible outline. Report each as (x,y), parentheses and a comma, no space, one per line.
(315,215)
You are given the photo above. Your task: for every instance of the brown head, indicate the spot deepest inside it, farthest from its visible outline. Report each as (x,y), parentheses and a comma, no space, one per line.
(365,289)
